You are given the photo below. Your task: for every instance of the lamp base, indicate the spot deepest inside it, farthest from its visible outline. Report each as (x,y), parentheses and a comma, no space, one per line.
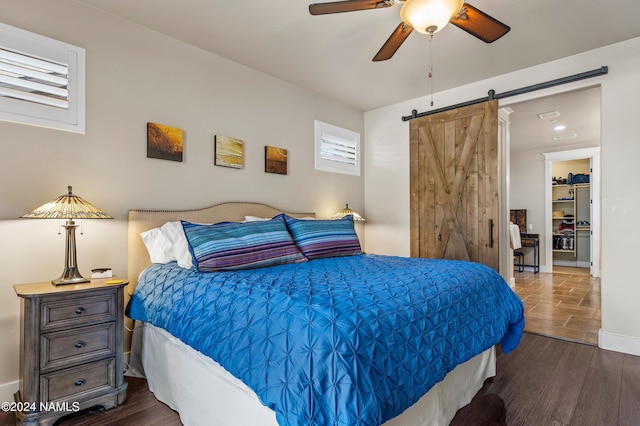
(70,276)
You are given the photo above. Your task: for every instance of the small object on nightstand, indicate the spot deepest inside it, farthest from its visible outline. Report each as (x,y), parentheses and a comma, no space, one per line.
(101,273)
(71,349)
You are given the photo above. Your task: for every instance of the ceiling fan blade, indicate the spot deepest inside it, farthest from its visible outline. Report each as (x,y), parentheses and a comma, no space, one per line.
(347,6)
(395,40)
(479,24)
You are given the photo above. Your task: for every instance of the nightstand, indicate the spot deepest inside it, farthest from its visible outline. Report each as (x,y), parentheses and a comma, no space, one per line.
(71,349)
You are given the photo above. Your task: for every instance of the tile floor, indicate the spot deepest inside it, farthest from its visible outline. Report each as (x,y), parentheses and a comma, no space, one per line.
(564,304)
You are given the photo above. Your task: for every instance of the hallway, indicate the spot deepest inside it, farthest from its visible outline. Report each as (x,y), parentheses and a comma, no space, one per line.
(563,304)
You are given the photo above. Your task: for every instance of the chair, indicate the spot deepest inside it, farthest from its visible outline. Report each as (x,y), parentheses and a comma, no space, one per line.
(515,232)
(518,257)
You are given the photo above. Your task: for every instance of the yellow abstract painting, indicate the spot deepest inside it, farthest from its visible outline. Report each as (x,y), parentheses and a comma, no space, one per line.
(229,152)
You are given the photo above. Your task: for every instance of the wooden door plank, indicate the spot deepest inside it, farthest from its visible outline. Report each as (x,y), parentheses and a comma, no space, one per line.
(415,194)
(492,181)
(466,181)
(472,210)
(445,196)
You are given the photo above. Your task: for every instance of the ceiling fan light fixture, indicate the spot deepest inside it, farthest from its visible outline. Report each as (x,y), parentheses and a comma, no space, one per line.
(429,16)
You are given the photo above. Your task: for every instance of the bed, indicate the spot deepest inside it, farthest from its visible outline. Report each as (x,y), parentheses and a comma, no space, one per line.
(371,368)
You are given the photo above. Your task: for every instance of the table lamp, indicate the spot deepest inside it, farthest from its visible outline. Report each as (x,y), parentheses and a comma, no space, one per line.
(346,212)
(68,207)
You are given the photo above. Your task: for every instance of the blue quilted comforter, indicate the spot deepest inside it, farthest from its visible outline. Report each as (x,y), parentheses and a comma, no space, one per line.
(336,341)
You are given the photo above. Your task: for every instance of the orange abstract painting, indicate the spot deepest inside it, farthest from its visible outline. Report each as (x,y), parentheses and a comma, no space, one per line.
(164,142)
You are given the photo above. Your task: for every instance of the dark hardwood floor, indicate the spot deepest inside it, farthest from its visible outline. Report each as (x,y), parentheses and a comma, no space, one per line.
(545,381)
(548,381)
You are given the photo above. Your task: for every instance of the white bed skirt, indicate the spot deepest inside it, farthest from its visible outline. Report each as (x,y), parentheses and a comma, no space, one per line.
(204,393)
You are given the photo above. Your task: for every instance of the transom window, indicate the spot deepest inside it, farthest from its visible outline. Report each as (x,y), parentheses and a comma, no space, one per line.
(337,149)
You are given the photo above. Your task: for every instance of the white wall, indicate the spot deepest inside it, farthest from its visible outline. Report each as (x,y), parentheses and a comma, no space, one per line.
(387,172)
(563,168)
(134,76)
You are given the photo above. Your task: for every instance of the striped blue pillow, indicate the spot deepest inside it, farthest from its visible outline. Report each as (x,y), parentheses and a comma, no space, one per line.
(230,245)
(324,238)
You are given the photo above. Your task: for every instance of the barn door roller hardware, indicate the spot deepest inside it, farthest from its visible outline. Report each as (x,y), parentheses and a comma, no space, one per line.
(492,93)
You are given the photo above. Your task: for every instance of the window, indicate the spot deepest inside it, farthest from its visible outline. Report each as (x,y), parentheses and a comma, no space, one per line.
(337,149)
(42,81)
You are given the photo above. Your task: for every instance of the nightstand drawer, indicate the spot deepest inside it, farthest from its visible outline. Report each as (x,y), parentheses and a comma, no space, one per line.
(78,383)
(65,348)
(58,313)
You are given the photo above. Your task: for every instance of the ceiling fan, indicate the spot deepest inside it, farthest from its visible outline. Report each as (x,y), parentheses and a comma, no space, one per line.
(425,16)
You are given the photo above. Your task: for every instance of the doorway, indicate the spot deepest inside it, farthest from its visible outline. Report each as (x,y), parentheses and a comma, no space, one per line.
(534,143)
(559,127)
(583,201)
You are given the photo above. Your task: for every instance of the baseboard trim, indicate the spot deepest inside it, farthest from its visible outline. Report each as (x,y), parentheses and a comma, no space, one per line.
(619,343)
(546,269)
(7,390)
(567,263)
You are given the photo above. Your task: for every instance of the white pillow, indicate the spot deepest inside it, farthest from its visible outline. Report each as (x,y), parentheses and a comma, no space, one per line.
(174,232)
(158,245)
(255,218)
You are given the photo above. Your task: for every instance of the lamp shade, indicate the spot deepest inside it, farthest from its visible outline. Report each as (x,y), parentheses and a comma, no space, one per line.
(429,16)
(346,212)
(67,206)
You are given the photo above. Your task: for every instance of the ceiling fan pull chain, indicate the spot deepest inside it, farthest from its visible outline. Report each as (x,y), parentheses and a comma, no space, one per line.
(431,65)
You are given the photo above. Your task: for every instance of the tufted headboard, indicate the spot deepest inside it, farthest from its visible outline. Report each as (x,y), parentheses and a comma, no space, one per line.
(143,220)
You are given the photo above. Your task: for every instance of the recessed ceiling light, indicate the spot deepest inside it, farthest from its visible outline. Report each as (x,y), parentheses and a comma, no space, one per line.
(557,138)
(548,115)
(559,127)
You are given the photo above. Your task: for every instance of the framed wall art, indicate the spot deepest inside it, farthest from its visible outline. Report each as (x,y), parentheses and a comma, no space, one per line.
(229,152)
(164,142)
(275,160)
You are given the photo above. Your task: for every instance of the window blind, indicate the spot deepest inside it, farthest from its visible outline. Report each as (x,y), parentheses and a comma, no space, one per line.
(32,79)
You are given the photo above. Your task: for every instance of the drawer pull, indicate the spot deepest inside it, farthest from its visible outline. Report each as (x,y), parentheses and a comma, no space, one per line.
(79,382)
(80,310)
(79,344)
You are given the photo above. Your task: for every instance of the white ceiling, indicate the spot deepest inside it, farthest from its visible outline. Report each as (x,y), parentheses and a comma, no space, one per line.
(331,54)
(578,110)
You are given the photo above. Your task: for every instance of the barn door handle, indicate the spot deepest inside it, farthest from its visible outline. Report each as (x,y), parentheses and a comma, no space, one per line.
(490,233)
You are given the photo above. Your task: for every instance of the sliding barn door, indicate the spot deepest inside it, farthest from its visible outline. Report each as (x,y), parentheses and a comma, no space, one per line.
(454,184)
